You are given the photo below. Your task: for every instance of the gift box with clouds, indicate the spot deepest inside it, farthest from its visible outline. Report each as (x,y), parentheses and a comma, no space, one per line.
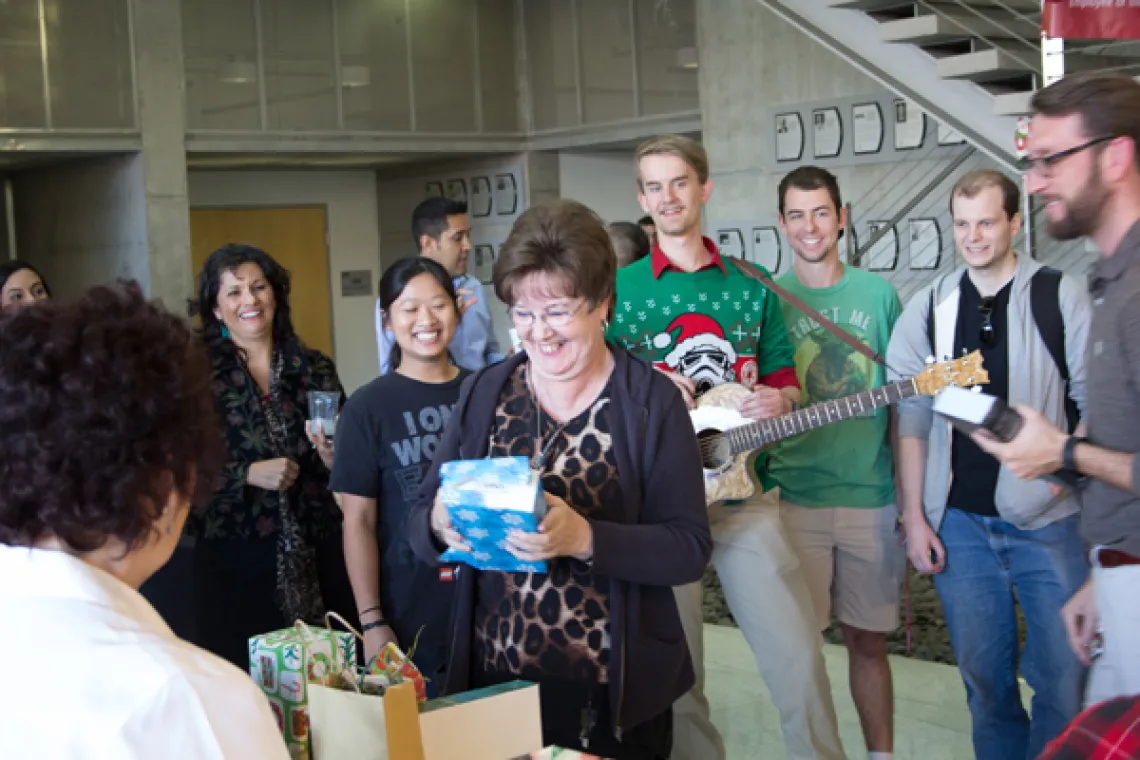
(488,498)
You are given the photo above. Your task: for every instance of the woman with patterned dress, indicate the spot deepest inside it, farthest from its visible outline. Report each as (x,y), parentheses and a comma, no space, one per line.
(268,546)
(626,518)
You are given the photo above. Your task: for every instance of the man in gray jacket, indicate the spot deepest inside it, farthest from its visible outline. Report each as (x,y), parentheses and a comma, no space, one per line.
(984,533)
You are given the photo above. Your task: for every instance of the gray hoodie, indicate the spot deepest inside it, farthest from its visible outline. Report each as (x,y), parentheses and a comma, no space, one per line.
(1034,380)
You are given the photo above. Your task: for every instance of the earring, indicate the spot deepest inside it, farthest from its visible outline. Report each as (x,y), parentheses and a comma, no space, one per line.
(225,332)
(605,326)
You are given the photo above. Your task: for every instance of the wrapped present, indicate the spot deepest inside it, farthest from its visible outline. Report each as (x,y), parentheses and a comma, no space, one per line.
(283,662)
(487,499)
(398,667)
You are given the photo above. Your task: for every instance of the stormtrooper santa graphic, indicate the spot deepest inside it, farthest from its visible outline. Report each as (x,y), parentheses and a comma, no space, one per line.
(699,350)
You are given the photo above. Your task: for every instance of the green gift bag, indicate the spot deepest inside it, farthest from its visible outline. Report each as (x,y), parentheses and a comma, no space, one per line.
(283,662)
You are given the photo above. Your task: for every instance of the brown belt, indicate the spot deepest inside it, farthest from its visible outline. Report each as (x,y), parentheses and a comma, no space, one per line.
(1115,558)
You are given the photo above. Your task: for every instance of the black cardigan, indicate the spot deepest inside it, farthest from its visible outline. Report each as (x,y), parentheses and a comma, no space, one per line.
(663,539)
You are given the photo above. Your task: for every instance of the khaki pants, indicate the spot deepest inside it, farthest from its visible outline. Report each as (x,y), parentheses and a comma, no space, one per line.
(770,602)
(1116,673)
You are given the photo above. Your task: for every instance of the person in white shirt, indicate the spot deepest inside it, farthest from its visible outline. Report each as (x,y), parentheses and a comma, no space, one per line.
(107,434)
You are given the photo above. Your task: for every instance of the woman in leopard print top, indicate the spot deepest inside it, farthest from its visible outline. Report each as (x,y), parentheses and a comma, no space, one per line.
(626,521)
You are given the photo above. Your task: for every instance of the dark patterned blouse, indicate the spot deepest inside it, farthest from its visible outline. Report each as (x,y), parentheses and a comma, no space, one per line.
(239,511)
(557,624)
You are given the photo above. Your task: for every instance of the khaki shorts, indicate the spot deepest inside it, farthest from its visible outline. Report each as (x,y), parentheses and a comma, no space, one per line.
(852,562)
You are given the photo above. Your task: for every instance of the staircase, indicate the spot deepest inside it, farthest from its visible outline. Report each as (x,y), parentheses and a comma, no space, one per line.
(972,64)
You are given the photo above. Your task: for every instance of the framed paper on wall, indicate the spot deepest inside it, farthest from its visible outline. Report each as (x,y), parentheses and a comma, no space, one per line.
(481,196)
(484,263)
(867,129)
(884,255)
(789,137)
(910,125)
(827,132)
(433,190)
(730,241)
(766,248)
(506,194)
(925,243)
(457,190)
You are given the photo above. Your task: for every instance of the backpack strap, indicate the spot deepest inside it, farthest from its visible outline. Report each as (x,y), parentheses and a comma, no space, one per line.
(930,324)
(1045,303)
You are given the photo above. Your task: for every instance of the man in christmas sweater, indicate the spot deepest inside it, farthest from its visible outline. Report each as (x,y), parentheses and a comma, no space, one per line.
(704,323)
(837,493)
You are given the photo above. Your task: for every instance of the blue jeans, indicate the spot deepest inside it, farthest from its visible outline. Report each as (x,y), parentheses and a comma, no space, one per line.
(987,560)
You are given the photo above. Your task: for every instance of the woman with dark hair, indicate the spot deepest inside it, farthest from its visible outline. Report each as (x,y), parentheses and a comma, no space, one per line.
(626,518)
(107,435)
(392,427)
(267,549)
(21,285)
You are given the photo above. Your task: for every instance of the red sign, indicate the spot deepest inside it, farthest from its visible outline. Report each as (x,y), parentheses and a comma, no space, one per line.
(1091,19)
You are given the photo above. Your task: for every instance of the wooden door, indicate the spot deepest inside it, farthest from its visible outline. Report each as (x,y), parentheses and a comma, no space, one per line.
(295,238)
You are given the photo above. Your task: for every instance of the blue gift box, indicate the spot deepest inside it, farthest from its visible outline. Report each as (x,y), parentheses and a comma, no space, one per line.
(488,498)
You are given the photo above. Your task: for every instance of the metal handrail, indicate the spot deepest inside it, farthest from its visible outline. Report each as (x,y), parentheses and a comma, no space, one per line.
(933,184)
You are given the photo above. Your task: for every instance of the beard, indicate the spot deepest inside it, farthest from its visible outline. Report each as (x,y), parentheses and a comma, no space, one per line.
(1082,213)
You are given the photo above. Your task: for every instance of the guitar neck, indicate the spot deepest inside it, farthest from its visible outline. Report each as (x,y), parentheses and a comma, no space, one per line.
(761,433)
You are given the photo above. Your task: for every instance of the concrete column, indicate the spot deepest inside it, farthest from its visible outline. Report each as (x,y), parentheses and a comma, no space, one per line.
(543,177)
(157,27)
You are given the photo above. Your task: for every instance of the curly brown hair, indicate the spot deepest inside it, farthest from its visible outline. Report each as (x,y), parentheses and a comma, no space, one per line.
(105,408)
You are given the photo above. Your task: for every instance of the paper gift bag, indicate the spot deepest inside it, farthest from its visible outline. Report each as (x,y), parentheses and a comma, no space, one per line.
(283,662)
(346,725)
(399,668)
(485,724)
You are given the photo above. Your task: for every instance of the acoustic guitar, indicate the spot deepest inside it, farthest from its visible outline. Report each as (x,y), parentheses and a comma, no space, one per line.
(730,442)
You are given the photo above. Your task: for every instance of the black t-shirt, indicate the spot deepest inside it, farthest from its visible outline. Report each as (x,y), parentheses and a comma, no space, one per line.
(975,473)
(386,437)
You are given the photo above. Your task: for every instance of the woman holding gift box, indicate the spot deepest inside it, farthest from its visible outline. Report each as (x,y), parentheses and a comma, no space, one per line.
(107,433)
(626,521)
(268,546)
(390,428)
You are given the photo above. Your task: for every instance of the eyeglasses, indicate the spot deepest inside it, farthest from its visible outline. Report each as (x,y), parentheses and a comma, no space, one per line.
(555,317)
(987,334)
(1046,165)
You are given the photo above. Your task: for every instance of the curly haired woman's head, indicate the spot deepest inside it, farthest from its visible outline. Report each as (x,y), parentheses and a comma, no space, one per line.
(107,425)
(243,294)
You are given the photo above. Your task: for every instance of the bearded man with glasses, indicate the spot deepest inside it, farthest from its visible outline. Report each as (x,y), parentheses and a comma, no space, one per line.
(990,539)
(1085,167)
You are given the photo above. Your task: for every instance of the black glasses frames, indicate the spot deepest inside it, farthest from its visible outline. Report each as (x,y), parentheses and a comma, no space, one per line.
(986,333)
(1044,165)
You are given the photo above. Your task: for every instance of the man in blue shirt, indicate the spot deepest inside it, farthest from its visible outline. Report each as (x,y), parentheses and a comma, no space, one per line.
(442,231)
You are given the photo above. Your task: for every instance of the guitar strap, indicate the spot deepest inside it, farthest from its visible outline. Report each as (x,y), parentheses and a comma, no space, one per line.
(757,274)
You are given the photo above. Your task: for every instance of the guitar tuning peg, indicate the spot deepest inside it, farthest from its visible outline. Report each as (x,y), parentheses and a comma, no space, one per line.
(930,360)
(976,388)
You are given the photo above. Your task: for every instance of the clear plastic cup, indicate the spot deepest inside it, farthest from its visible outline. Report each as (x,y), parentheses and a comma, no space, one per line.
(323,409)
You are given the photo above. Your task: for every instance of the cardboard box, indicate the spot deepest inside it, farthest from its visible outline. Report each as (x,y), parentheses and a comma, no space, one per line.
(495,723)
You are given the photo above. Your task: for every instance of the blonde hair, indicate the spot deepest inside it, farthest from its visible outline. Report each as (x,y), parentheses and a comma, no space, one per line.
(976,181)
(685,148)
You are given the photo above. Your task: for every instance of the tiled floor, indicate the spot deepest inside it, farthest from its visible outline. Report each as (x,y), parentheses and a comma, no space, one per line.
(931,719)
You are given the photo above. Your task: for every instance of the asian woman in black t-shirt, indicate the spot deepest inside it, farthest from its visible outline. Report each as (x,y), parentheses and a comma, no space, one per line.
(387,435)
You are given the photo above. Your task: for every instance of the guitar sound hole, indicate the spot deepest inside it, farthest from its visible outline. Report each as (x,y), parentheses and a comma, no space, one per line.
(714,449)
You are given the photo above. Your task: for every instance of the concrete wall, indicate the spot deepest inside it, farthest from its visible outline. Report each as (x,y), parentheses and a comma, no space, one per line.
(349,198)
(603,181)
(84,223)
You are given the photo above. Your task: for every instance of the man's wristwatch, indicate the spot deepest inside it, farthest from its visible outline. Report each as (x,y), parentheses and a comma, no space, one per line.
(1068,453)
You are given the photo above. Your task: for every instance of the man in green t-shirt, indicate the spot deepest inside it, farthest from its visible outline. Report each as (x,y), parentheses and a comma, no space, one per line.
(837,493)
(703,323)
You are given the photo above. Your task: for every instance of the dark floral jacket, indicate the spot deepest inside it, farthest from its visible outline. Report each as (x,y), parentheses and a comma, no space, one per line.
(238,511)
